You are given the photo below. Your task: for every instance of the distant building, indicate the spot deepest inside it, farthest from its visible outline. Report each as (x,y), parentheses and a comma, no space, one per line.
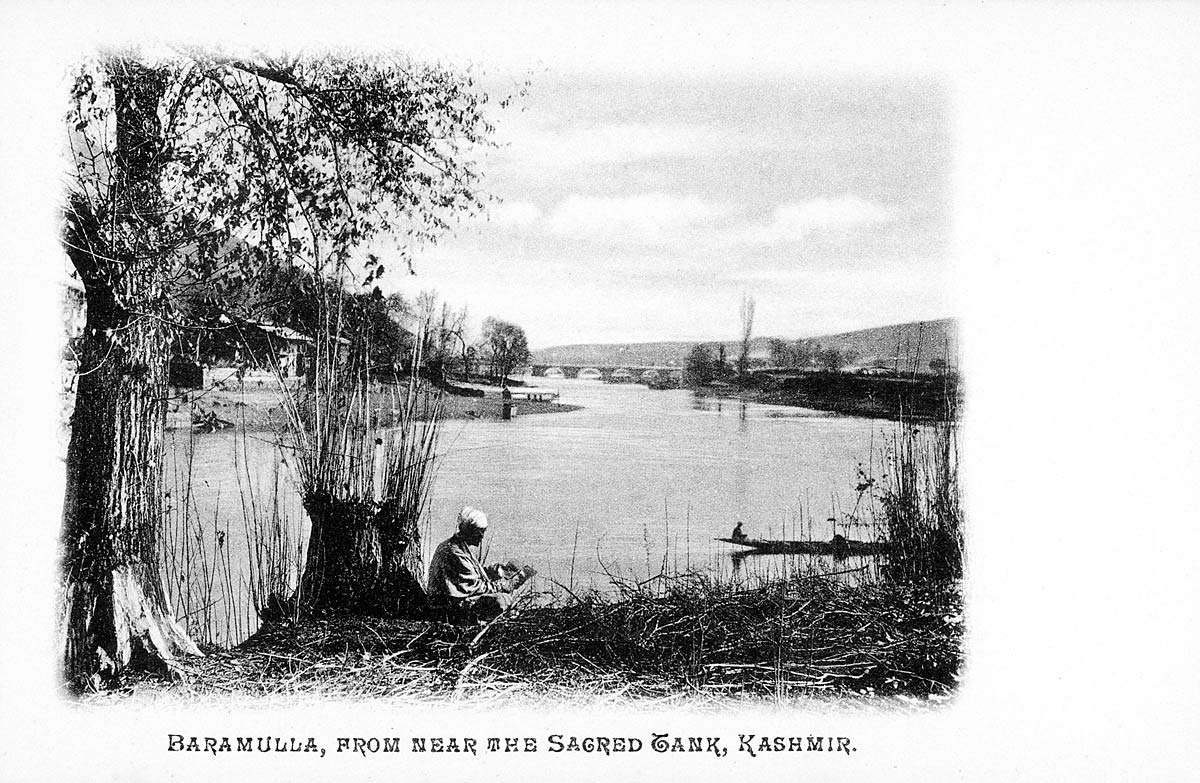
(266,346)
(291,349)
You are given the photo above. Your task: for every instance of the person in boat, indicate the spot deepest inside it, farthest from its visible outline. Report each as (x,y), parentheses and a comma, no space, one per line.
(738,534)
(459,584)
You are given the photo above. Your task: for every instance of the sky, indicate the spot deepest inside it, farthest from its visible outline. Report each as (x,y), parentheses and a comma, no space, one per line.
(636,208)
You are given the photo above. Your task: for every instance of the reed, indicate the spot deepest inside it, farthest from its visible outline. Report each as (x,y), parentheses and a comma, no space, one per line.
(201,573)
(275,540)
(919,503)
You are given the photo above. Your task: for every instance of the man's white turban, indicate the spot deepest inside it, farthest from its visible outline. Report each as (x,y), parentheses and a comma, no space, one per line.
(472,517)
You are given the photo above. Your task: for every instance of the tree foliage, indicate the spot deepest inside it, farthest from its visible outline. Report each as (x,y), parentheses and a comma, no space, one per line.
(831,359)
(301,160)
(795,353)
(703,365)
(505,345)
(442,330)
(190,175)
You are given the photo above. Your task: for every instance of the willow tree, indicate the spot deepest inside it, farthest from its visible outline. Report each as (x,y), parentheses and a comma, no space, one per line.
(173,161)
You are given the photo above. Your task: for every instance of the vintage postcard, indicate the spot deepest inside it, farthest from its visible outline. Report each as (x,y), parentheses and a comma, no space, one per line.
(607,392)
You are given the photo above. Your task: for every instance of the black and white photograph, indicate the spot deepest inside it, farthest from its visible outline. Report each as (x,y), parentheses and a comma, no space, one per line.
(602,391)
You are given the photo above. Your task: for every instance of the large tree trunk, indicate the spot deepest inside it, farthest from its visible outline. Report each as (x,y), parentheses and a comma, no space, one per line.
(114,614)
(363,558)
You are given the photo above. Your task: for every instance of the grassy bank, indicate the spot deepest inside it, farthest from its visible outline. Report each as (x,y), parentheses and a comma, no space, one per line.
(919,398)
(686,637)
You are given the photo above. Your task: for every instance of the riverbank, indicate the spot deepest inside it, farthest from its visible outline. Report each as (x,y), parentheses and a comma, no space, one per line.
(257,408)
(920,398)
(682,637)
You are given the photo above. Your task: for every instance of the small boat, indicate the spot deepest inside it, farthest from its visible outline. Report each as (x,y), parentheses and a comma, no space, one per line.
(459,391)
(208,422)
(838,546)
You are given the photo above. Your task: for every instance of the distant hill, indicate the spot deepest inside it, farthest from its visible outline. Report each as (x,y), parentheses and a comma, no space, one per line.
(906,346)
(902,346)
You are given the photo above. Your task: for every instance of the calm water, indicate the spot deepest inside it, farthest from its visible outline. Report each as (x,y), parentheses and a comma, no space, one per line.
(635,479)
(639,474)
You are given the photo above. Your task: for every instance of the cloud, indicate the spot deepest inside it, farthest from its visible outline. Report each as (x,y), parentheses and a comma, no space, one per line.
(648,218)
(516,214)
(687,221)
(622,143)
(794,221)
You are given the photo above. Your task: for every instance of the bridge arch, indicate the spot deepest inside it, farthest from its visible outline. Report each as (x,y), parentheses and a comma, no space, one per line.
(553,372)
(590,373)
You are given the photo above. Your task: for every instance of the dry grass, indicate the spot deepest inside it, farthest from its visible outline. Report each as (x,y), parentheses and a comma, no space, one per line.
(682,638)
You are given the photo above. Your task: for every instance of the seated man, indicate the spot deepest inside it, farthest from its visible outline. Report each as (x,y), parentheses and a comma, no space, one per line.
(458,582)
(738,534)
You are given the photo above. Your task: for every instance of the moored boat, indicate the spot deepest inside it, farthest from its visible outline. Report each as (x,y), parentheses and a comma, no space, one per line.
(838,546)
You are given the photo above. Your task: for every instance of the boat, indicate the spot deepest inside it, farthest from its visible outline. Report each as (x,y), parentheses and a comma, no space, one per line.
(838,546)
(459,391)
(208,422)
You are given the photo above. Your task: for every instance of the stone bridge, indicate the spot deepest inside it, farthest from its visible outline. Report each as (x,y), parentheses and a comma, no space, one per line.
(631,373)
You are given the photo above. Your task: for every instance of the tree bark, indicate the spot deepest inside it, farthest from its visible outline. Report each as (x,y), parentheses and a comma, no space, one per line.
(114,613)
(363,558)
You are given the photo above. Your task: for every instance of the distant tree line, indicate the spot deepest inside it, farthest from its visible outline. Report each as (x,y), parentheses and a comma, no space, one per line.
(808,355)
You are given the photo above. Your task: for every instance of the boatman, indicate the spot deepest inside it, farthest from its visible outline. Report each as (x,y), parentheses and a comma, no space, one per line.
(738,534)
(460,586)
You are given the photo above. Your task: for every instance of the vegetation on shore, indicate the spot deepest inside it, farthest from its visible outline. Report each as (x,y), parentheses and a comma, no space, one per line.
(919,398)
(258,409)
(686,636)
(803,374)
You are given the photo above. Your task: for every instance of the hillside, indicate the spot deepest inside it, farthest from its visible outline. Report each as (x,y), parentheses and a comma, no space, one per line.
(899,345)
(903,346)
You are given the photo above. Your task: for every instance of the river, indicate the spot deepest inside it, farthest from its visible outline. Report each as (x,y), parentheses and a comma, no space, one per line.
(634,481)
